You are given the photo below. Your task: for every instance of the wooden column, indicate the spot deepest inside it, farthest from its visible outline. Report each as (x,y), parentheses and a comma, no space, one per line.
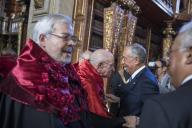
(82,25)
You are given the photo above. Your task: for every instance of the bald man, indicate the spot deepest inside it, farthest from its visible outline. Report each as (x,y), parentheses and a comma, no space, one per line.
(92,71)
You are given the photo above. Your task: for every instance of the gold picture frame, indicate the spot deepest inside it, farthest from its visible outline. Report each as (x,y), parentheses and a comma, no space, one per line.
(41,7)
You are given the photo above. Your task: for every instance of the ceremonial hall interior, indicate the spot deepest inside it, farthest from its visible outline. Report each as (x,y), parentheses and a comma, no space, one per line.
(135,48)
(152,23)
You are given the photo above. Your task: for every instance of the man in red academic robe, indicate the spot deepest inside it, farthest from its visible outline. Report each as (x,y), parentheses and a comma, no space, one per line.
(91,72)
(43,89)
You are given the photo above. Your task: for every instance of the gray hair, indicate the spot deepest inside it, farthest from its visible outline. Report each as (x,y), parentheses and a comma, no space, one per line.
(46,25)
(138,50)
(85,55)
(186,35)
(100,56)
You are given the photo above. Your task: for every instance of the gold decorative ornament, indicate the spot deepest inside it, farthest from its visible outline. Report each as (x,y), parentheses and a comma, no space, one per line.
(119,26)
(127,33)
(113,17)
(167,41)
(38,4)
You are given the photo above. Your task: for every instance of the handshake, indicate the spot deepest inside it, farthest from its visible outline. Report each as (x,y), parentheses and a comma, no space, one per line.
(130,121)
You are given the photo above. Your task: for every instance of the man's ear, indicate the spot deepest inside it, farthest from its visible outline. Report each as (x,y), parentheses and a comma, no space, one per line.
(137,60)
(189,56)
(42,40)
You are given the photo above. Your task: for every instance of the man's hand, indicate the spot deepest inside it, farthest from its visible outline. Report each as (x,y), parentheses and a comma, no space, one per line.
(131,121)
(112,98)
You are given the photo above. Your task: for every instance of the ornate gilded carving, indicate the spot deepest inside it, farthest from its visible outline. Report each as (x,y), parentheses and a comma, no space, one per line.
(167,41)
(119,26)
(38,4)
(108,29)
(127,33)
(113,17)
(131,26)
(129,5)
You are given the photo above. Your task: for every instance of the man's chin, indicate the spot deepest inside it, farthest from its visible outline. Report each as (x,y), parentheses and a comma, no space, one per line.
(64,60)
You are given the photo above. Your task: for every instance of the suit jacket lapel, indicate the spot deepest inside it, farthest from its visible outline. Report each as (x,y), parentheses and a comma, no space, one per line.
(134,81)
(188,83)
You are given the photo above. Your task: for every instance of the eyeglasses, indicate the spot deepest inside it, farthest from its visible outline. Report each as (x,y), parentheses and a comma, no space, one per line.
(111,65)
(66,37)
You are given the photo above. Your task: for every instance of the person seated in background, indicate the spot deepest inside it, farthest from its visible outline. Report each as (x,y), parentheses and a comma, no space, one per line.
(164,81)
(91,72)
(43,90)
(7,62)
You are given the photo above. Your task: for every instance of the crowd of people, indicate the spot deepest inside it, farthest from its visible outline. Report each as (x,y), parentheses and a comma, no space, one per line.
(41,88)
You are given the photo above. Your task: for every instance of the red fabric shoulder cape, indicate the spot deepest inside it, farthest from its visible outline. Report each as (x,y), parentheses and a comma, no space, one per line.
(41,82)
(92,82)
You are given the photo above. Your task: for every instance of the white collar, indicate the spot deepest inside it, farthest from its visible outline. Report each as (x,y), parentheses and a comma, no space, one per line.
(186,79)
(137,71)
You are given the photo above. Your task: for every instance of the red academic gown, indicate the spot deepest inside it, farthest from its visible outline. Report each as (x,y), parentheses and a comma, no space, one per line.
(92,82)
(41,93)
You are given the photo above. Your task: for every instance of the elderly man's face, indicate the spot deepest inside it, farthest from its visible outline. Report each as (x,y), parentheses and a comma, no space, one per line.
(128,61)
(58,44)
(107,68)
(176,62)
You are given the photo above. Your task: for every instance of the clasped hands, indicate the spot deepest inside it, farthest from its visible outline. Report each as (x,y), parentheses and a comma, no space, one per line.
(130,121)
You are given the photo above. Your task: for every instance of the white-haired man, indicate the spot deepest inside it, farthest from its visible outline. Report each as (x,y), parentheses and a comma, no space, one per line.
(140,86)
(100,64)
(173,110)
(41,90)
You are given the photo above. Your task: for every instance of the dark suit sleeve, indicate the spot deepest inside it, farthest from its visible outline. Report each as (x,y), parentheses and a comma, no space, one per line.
(153,116)
(115,82)
(102,122)
(149,89)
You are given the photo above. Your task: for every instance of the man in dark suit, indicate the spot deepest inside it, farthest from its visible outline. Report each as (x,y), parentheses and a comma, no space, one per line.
(174,110)
(140,86)
(117,79)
